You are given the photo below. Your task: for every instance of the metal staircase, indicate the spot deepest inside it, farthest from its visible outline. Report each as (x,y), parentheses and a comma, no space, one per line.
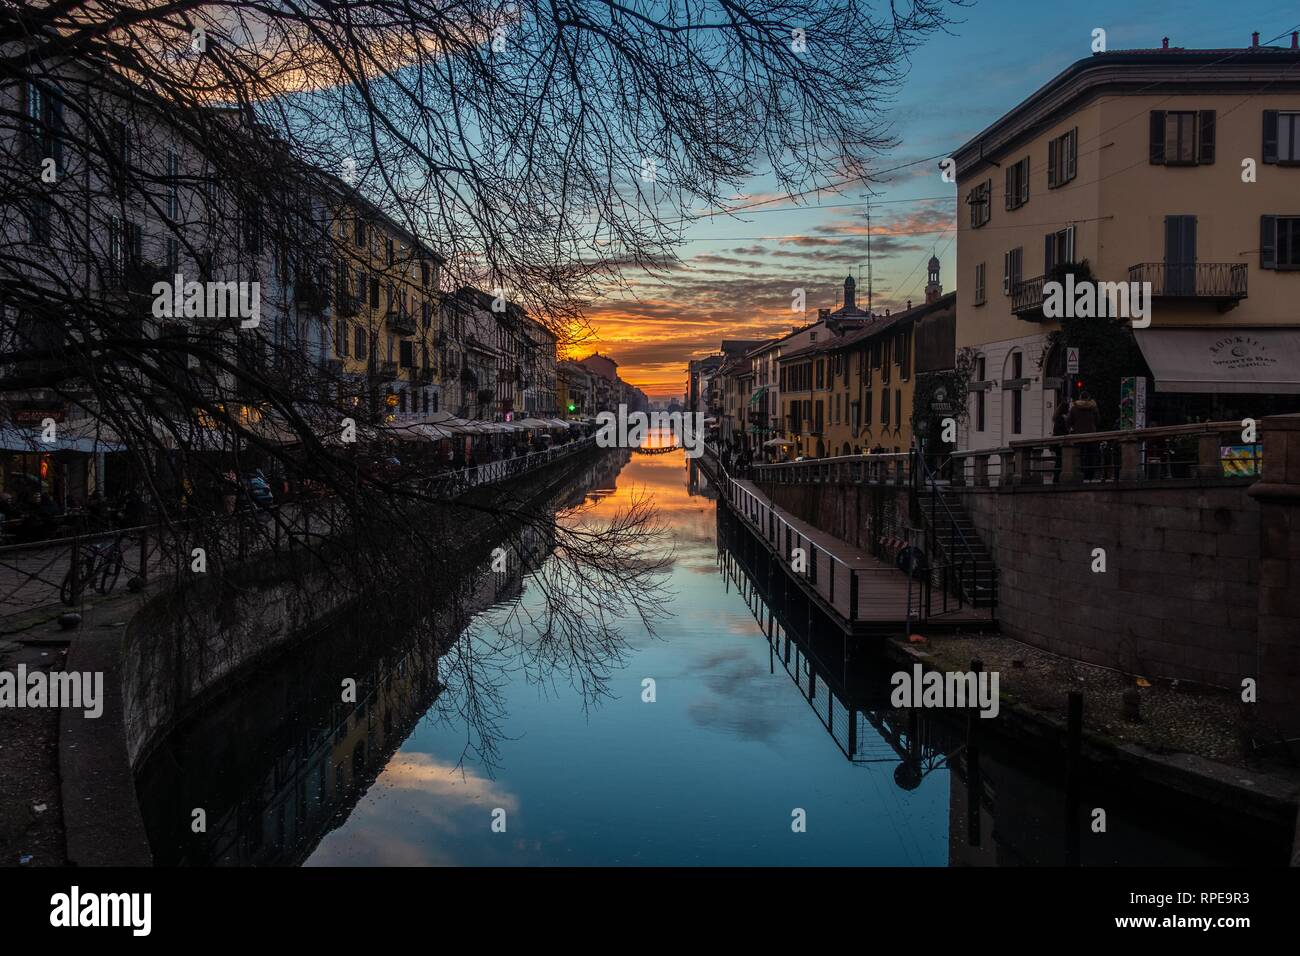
(953,542)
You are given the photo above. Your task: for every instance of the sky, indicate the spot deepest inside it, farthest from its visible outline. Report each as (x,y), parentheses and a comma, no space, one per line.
(736,275)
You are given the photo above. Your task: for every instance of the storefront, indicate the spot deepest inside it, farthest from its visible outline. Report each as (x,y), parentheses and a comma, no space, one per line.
(1216,374)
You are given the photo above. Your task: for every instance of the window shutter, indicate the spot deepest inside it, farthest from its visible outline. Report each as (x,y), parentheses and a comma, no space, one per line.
(1069,245)
(1049,246)
(1052,147)
(1268,242)
(1071,153)
(1006,273)
(1009,197)
(1270,136)
(1205,146)
(1024,183)
(1158,136)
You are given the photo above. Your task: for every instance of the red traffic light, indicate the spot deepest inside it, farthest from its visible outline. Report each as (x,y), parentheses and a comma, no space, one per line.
(1078,384)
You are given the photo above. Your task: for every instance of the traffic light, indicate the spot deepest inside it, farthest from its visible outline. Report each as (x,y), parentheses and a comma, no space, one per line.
(1078,385)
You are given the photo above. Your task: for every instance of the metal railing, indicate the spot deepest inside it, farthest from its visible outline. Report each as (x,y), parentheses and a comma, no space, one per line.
(1027,295)
(1192,280)
(44,574)
(845,589)
(893,468)
(1188,453)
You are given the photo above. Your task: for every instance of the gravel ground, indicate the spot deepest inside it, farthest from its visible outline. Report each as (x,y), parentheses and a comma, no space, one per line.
(1176,718)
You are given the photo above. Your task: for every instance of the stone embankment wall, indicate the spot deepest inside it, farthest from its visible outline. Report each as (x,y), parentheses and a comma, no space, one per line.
(188,642)
(1179,594)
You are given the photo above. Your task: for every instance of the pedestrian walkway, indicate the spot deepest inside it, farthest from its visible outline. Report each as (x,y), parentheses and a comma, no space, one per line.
(855,587)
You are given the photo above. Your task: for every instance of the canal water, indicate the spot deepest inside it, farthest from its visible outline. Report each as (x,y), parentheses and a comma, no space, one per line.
(735,727)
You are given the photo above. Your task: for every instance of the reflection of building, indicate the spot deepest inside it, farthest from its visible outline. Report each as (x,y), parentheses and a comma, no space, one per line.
(283,761)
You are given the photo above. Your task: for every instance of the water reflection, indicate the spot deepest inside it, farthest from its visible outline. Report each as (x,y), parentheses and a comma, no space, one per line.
(760,708)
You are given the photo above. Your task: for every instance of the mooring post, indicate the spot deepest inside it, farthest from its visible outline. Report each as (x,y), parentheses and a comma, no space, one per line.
(974,782)
(1074,744)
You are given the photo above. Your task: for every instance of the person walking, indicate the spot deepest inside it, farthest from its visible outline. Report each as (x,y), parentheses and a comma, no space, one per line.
(1060,428)
(1082,420)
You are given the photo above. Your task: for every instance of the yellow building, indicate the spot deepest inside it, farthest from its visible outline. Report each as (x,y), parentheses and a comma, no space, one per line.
(851,392)
(386,307)
(1173,167)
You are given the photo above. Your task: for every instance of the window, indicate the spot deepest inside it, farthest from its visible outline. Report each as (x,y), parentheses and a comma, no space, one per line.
(981,375)
(1182,137)
(359,231)
(898,408)
(884,407)
(119,145)
(1282,137)
(252,227)
(1062,158)
(821,374)
(39,219)
(406,353)
(341,338)
(44,121)
(1279,242)
(1018,394)
(979,283)
(904,353)
(1018,184)
(866,411)
(980,205)
(374,292)
(388,249)
(359,343)
(124,246)
(1058,249)
(173,186)
(424,273)
(1012,263)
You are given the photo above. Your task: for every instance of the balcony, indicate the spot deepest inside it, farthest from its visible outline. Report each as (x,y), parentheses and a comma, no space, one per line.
(310,297)
(1223,283)
(1027,299)
(387,370)
(348,306)
(400,323)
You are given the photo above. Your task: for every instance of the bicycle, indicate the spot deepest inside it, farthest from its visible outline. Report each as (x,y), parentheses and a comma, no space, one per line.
(104,561)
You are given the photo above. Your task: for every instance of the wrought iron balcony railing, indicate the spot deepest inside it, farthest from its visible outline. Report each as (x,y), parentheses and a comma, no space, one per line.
(1224,282)
(1027,298)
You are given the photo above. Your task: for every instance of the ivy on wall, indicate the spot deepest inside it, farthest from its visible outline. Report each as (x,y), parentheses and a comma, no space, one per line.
(955,383)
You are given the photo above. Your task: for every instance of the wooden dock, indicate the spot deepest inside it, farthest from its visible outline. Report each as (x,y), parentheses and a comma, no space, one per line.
(864,593)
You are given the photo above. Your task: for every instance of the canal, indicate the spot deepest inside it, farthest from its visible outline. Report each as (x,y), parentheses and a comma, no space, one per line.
(733,727)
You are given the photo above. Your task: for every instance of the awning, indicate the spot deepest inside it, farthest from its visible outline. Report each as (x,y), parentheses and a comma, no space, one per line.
(69,436)
(778,443)
(1223,360)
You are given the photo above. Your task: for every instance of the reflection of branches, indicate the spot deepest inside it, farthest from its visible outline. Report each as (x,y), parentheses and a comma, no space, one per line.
(588,577)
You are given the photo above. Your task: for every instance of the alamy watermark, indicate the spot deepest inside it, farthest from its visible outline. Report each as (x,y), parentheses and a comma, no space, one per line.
(58,689)
(208,300)
(950,689)
(1098,300)
(133,911)
(624,429)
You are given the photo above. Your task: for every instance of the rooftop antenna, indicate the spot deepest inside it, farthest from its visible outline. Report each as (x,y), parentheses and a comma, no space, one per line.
(868,258)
